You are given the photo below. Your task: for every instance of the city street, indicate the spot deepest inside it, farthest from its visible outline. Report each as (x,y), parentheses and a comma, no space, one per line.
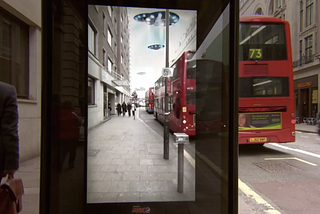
(284,175)
(278,178)
(274,178)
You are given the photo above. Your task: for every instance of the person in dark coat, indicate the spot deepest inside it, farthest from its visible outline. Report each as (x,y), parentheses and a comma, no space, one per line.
(129,108)
(9,138)
(119,109)
(124,108)
(69,133)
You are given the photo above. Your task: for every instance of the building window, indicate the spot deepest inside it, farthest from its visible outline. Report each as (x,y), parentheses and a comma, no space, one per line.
(14,54)
(91,91)
(110,11)
(308,53)
(96,7)
(92,36)
(284,16)
(300,52)
(259,11)
(109,38)
(309,12)
(121,39)
(279,3)
(301,15)
(121,58)
(110,65)
(115,49)
(104,23)
(104,54)
(271,7)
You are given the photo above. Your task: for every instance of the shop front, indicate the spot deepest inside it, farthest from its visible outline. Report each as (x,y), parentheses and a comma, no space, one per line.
(306,97)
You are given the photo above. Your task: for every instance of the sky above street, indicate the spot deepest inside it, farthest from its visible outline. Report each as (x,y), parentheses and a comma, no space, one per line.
(146,64)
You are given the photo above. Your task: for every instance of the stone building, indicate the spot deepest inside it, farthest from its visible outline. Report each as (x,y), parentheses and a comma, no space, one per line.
(20,65)
(108,61)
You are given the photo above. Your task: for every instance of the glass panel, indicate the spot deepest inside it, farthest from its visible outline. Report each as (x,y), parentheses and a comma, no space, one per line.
(126,169)
(262,42)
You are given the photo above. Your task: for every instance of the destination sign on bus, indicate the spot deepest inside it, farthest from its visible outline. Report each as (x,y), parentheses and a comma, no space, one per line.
(259,121)
(255,53)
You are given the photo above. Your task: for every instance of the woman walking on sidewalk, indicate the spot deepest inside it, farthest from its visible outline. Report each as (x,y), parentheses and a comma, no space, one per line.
(129,108)
(124,108)
(133,107)
(119,109)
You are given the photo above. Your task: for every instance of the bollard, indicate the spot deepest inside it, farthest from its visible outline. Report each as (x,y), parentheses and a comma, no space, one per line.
(181,139)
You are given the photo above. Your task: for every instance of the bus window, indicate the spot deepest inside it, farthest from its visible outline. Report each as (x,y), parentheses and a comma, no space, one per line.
(264,86)
(262,42)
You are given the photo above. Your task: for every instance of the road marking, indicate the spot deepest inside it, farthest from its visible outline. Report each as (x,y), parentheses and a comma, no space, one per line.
(242,186)
(304,136)
(185,153)
(252,194)
(295,150)
(292,158)
(190,159)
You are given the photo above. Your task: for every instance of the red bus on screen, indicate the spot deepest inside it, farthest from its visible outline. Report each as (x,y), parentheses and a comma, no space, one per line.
(149,100)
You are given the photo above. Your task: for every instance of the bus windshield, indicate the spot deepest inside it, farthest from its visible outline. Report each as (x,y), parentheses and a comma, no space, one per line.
(262,42)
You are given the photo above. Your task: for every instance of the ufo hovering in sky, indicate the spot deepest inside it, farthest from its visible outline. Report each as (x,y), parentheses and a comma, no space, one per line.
(155,47)
(141,73)
(157,18)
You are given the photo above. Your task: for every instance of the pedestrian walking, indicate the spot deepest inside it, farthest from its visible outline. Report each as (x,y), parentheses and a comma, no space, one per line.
(133,107)
(124,108)
(129,108)
(119,109)
(9,138)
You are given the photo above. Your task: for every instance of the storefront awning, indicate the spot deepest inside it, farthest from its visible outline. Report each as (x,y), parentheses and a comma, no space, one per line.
(121,82)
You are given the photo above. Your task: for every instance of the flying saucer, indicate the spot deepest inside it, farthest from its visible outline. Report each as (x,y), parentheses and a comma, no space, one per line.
(141,73)
(157,18)
(155,47)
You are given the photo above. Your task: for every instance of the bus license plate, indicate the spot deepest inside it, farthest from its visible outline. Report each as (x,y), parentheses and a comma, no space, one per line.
(258,139)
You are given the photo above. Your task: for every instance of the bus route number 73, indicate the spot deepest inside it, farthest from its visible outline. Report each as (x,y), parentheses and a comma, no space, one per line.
(255,53)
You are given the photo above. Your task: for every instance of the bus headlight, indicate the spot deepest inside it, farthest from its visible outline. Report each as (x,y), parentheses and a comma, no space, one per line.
(184,121)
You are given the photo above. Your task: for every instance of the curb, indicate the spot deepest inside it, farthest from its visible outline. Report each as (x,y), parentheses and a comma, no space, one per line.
(305,131)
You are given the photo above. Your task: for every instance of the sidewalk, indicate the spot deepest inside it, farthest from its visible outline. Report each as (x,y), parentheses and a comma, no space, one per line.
(306,128)
(127,165)
(124,166)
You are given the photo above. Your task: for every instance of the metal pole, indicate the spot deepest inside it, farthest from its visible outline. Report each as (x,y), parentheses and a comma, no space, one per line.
(166,117)
(180,167)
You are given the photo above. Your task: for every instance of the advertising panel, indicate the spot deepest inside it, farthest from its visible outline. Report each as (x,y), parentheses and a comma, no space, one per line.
(259,121)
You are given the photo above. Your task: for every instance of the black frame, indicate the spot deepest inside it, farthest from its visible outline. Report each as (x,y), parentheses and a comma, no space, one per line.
(49,176)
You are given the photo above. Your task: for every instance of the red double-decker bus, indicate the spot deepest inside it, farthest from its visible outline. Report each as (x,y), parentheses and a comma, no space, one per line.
(266,92)
(149,100)
(181,88)
(201,79)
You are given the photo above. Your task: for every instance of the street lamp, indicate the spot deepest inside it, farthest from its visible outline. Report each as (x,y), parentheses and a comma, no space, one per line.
(166,113)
